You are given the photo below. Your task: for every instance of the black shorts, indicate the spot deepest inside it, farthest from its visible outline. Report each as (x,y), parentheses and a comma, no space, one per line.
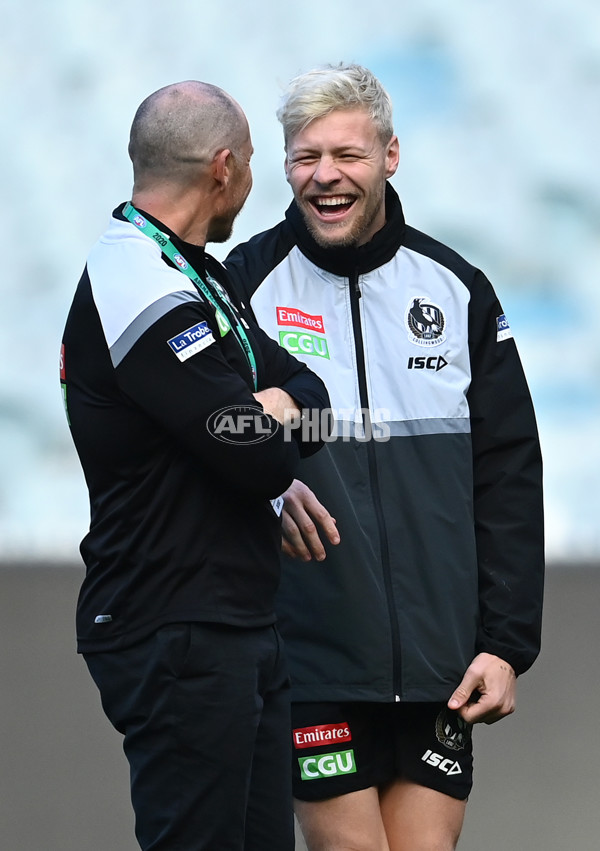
(344,747)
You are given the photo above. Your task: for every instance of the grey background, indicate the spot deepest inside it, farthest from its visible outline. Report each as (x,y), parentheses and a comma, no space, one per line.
(64,783)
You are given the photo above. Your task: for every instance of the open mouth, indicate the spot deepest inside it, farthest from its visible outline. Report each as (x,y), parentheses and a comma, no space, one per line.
(331,207)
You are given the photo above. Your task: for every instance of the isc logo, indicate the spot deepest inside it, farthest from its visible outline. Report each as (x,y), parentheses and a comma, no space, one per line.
(327,765)
(435,363)
(448,766)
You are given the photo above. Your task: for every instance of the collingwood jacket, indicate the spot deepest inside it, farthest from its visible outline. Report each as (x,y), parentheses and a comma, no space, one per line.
(433,471)
(182,527)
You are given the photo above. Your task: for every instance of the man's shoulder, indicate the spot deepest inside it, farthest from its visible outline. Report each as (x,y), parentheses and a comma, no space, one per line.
(439,252)
(128,279)
(249,263)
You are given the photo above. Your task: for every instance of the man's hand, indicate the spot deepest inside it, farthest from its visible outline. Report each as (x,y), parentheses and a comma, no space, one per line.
(487,692)
(278,404)
(302,514)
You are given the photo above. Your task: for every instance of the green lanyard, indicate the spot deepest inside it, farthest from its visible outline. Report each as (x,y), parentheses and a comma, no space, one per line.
(213,294)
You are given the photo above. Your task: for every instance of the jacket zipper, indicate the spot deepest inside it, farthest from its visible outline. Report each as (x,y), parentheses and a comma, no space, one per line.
(355,295)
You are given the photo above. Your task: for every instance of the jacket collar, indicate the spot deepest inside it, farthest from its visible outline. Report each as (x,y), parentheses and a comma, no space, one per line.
(353,260)
(194,254)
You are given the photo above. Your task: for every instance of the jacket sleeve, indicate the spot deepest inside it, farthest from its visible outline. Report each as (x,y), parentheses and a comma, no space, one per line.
(182,396)
(507,472)
(285,371)
(281,368)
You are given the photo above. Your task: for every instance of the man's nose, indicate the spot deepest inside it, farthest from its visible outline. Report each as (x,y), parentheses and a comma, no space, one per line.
(326,171)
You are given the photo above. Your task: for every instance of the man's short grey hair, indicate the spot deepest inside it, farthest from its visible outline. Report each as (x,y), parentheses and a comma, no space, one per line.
(343,86)
(179,127)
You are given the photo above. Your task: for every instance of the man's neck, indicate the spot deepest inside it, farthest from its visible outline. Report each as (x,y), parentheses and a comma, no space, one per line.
(182,215)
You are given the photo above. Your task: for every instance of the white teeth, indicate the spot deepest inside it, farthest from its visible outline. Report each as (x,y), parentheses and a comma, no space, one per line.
(333,202)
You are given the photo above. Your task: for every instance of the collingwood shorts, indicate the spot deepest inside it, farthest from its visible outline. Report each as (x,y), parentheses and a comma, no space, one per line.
(344,747)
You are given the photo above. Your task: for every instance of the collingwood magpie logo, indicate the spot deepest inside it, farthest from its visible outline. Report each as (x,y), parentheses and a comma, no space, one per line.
(426,323)
(451,731)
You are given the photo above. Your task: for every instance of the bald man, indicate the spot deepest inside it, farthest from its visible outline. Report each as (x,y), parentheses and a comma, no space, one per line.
(182,412)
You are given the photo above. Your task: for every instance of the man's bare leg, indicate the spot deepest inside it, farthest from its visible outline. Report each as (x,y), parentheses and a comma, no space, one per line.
(349,822)
(420,819)
(402,817)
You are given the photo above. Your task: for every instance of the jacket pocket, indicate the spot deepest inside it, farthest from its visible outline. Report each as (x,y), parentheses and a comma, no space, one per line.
(175,640)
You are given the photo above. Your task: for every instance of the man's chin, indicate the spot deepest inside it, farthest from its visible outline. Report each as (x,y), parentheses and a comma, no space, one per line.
(329,234)
(332,236)
(220,233)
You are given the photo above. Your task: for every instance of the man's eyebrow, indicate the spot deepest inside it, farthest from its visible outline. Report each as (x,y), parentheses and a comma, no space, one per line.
(352,147)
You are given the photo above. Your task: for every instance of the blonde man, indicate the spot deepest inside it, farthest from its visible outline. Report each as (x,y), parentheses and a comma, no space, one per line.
(429,603)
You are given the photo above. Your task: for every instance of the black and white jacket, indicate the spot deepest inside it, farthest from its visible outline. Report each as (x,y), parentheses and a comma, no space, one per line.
(182,527)
(434,475)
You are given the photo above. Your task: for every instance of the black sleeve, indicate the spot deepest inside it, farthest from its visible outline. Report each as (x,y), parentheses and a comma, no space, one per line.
(282,369)
(182,396)
(508,505)
(285,371)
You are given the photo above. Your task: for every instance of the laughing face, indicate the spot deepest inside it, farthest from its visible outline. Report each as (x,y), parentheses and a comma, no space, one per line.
(337,167)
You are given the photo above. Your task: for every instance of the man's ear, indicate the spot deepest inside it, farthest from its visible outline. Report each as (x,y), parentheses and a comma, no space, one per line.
(285,168)
(392,156)
(221,167)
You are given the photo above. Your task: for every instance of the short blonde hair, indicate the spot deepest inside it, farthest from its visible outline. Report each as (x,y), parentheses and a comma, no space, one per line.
(322,90)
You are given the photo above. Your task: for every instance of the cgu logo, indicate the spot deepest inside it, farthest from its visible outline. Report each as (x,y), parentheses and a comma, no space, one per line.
(328,765)
(300,343)
(436,363)
(448,766)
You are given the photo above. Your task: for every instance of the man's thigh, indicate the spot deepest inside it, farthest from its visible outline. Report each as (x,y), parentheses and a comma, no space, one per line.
(350,821)
(189,702)
(403,817)
(417,818)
